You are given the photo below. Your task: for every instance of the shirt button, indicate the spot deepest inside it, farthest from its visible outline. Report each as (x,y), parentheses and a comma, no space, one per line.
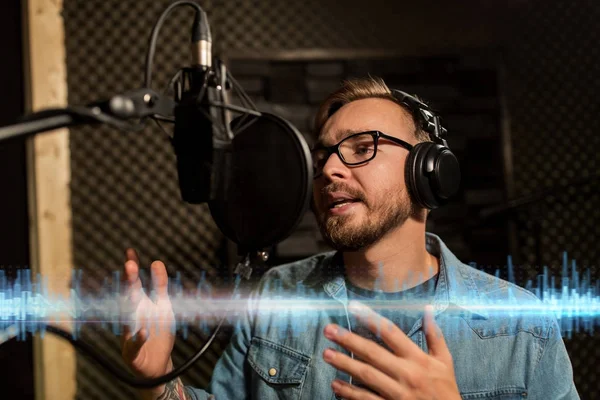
(272,372)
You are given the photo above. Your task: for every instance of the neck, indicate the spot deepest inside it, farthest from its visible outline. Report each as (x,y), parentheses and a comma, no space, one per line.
(398,260)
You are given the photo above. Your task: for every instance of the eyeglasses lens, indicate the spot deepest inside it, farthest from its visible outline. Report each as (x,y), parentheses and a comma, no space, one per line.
(354,150)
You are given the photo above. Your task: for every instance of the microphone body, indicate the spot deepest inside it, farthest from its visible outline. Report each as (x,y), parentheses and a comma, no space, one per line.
(202,150)
(203,155)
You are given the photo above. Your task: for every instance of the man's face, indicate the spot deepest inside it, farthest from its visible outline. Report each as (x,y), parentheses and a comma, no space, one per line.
(378,198)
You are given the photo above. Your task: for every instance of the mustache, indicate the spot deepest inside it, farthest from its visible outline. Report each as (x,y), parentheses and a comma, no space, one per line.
(341,187)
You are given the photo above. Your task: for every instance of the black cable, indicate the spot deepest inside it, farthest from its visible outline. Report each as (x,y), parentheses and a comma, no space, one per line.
(156,29)
(129,379)
(144,383)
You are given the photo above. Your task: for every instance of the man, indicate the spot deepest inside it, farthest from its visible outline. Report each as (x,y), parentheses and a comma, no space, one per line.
(455,348)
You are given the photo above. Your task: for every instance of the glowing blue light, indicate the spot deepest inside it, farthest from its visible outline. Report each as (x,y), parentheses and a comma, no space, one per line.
(27,307)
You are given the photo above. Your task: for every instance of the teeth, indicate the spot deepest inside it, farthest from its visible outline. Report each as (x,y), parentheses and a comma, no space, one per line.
(343,203)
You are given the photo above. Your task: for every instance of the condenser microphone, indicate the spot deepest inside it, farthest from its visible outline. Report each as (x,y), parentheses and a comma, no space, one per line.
(255,172)
(198,143)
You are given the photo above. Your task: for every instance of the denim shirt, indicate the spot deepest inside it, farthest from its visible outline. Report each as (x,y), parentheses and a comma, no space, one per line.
(276,350)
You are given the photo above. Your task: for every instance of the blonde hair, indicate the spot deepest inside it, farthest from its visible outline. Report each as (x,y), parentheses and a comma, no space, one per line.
(357,89)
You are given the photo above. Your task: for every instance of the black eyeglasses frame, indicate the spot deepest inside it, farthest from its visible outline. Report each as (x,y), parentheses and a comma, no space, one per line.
(335,149)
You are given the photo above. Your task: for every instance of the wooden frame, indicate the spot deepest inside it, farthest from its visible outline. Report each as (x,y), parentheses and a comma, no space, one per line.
(48,189)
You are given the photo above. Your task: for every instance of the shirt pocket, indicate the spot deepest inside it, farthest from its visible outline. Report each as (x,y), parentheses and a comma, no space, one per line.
(281,369)
(498,394)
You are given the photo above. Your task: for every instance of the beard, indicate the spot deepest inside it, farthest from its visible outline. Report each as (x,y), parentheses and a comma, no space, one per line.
(343,234)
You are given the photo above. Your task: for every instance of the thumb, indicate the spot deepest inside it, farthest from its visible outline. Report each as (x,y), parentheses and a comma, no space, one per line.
(435,339)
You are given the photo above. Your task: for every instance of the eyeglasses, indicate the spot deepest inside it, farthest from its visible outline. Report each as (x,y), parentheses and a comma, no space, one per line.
(355,149)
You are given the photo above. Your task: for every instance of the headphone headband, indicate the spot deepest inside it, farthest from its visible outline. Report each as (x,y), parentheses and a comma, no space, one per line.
(432,171)
(429,120)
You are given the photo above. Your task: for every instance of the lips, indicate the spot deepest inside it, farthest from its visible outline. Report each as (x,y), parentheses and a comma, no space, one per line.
(338,199)
(342,203)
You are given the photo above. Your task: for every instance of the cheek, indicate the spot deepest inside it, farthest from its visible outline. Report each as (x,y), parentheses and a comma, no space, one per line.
(383,183)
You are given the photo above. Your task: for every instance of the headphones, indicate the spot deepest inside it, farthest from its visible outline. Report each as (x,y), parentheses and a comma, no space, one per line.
(432,171)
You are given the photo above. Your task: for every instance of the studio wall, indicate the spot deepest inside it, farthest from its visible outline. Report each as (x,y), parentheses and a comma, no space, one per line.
(124,188)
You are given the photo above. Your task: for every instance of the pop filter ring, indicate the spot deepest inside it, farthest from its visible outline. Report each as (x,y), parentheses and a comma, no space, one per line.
(224,212)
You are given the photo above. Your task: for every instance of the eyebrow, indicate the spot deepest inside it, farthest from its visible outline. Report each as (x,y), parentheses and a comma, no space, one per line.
(340,135)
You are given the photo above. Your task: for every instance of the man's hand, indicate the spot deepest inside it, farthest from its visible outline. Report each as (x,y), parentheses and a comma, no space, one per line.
(405,373)
(147,340)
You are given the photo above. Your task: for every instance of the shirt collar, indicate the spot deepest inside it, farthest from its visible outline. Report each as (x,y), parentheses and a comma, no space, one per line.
(455,288)
(456,283)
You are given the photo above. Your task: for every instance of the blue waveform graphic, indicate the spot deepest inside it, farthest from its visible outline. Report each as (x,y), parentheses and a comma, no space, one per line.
(27,307)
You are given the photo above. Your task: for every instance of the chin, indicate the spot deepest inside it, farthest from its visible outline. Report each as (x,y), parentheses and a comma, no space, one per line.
(342,226)
(343,221)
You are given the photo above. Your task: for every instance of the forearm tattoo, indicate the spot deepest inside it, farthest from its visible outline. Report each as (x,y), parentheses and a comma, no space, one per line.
(174,390)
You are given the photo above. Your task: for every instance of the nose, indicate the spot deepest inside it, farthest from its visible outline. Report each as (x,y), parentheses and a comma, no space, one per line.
(334,168)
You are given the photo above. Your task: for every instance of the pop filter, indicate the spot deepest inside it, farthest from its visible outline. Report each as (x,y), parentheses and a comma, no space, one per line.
(270,184)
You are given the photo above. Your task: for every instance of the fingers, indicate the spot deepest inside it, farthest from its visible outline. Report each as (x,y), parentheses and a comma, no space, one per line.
(351,392)
(133,292)
(392,336)
(366,350)
(132,295)
(160,283)
(365,373)
(160,280)
(131,277)
(147,325)
(435,339)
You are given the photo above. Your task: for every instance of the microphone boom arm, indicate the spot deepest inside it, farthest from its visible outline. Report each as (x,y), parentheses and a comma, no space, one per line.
(137,104)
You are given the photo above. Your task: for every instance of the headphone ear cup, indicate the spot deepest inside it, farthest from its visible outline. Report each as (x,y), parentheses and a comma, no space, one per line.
(415,175)
(432,174)
(445,176)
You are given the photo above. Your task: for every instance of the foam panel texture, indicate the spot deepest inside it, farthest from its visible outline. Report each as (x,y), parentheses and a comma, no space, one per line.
(124,188)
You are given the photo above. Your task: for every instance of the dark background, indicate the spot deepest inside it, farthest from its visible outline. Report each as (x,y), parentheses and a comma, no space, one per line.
(16,362)
(515,81)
